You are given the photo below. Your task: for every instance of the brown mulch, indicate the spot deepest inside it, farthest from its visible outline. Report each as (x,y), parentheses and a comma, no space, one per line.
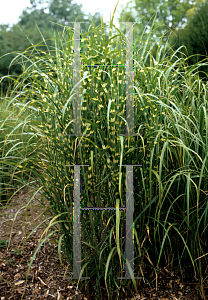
(46,280)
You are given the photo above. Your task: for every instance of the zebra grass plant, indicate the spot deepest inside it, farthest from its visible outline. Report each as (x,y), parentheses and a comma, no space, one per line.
(170,189)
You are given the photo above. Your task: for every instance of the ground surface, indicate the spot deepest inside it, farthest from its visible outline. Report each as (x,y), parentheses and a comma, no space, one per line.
(46,275)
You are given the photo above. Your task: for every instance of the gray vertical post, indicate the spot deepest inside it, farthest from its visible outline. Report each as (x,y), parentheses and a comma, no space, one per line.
(129,219)
(129,80)
(77,96)
(77,84)
(129,128)
(129,245)
(76,224)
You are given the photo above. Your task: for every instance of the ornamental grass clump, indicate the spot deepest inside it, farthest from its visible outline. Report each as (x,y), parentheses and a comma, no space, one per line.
(170,189)
(8,144)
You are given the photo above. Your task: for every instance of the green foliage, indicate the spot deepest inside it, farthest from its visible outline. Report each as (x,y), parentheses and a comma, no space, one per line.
(191,11)
(143,11)
(59,11)
(16,40)
(3,243)
(20,36)
(194,38)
